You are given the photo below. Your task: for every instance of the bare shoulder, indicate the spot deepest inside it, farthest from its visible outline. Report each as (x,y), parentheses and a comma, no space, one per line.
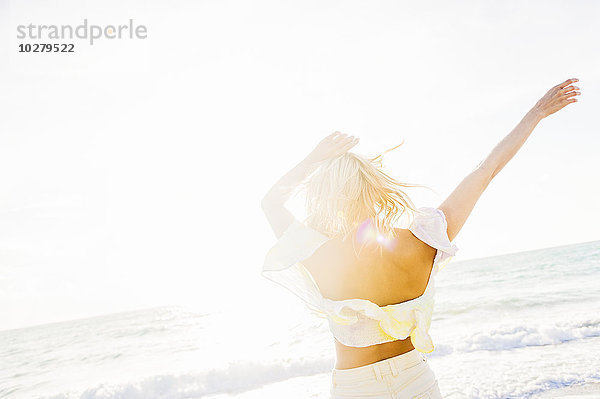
(413,247)
(411,252)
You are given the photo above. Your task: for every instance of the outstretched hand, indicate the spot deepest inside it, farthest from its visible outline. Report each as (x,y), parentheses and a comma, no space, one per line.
(557,98)
(332,146)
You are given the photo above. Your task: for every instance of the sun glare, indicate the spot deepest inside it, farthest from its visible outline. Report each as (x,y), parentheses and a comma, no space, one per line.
(368,233)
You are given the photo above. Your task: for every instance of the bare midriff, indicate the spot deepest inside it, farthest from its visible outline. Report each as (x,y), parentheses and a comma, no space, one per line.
(348,357)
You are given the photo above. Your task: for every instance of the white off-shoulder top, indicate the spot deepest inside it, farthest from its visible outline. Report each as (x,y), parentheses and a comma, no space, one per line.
(360,322)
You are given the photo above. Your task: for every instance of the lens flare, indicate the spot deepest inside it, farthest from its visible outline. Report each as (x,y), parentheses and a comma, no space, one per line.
(368,233)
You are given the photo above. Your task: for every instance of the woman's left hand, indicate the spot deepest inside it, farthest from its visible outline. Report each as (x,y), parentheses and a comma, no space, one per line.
(331,146)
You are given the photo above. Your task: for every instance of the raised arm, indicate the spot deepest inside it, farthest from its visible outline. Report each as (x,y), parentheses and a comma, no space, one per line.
(273,203)
(459,204)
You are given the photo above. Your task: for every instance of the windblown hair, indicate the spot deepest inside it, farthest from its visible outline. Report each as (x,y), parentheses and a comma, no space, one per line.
(344,192)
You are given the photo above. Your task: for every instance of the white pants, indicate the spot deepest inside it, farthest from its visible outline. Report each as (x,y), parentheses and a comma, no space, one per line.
(406,376)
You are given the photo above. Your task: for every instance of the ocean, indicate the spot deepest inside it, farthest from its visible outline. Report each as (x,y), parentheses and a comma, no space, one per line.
(521,325)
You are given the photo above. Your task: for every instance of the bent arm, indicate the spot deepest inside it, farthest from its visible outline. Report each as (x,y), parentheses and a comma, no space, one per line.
(273,203)
(459,204)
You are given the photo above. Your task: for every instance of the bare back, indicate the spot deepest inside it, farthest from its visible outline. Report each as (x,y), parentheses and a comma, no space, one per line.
(341,272)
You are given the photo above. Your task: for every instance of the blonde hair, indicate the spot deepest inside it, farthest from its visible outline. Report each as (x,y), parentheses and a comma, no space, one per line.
(344,192)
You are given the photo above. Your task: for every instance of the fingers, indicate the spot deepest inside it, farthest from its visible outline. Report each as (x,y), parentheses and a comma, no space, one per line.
(347,140)
(568,88)
(341,138)
(568,92)
(351,143)
(566,83)
(571,94)
(337,136)
(558,97)
(333,137)
(342,142)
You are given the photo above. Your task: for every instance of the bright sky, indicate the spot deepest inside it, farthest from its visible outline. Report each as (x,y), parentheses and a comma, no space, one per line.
(132,171)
